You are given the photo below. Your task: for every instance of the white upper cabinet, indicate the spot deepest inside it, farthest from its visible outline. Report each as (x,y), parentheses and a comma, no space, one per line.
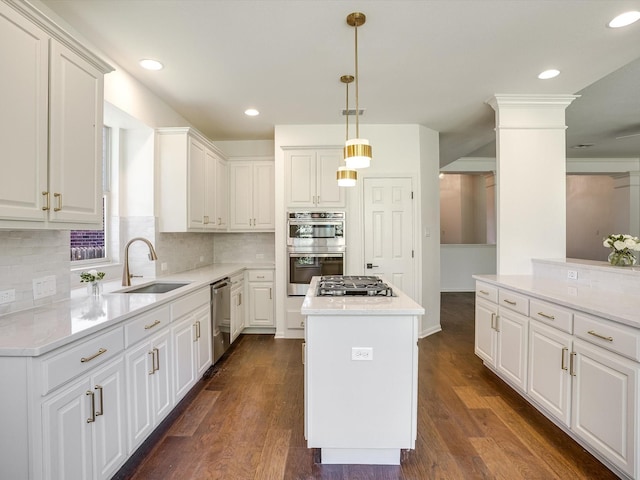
(190,199)
(311,178)
(252,195)
(50,125)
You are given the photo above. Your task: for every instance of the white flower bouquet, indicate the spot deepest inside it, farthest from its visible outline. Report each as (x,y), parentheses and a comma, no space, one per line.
(91,276)
(622,248)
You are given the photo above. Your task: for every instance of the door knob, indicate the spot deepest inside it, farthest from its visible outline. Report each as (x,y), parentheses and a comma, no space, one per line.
(371,265)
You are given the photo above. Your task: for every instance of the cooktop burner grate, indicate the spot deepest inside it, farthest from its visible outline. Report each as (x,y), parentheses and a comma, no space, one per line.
(363,285)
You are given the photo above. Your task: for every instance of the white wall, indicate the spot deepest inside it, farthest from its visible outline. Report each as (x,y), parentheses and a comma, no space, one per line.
(459,262)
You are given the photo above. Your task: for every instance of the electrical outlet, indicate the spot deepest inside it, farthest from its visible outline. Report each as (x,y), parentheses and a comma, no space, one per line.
(164,266)
(44,287)
(259,256)
(572,274)
(7,296)
(361,353)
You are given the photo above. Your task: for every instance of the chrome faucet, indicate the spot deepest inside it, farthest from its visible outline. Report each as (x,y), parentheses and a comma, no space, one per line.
(126,276)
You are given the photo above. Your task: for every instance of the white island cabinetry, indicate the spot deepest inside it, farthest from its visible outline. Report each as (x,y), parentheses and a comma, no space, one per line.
(582,368)
(353,345)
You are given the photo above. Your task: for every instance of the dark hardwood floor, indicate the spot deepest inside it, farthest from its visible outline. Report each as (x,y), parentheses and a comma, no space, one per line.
(246,421)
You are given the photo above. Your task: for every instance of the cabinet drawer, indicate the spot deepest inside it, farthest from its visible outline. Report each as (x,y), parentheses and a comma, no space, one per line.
(260,275)
(486,291)
(513,301)
(187,304)
(610,335)
(145,324)
(551,315)
(80,358)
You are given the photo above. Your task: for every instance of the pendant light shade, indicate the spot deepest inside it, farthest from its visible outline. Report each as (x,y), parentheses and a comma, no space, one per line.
(346,175)
(357,151)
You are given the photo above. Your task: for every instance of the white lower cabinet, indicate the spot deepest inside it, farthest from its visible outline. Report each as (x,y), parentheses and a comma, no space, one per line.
(260,298)
(192,345)
(501,340)
(237,306)
(149,387)
(84,426)
(582,371)
(604,409)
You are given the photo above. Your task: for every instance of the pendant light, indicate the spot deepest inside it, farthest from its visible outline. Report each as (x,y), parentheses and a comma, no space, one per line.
(346,176)
(357,151)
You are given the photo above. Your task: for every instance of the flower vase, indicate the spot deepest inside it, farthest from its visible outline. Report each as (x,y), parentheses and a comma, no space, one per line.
(622,259)
(94,289)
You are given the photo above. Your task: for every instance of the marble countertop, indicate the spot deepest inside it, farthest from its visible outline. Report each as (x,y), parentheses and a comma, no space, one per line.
(400,304)
(39,330)
(618,306)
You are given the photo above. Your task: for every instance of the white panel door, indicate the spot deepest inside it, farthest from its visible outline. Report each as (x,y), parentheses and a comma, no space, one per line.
(222,190)
(264,195)
(23,116)
(485,334)
(75,141)
(197,159)
(388,231)
(513,341)
(209,198)
(301,178)
(241,206)
(604,408)
(328,193)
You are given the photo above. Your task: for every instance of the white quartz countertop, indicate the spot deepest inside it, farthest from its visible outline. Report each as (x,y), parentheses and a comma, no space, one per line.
(401,304)
(39,330)
(618,306)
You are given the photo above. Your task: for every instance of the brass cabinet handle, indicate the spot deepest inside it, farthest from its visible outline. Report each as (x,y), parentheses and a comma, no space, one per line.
(47,206)
(151,325)
(484,292)
(493,318)
(595,334)
(304,345)
(270,297)
(259,276)
(58,196)
(101,412)
(153,363)
(156,356)
(497,318)
(302,324)
(564,365)
(572,371)
(205,220)
(92,418)
(97,354)
(550,317)
(510,302)
(198,329)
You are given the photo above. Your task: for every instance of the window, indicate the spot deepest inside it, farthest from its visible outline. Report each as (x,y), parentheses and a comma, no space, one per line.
(89,246)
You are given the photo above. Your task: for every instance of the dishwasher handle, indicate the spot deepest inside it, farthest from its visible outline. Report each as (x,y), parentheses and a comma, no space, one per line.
(216,287)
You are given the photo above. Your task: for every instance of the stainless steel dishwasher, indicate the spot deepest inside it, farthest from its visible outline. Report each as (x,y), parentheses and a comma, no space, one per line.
(220,317)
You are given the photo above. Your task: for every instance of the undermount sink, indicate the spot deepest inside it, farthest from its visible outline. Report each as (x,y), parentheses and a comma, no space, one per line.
(156,287)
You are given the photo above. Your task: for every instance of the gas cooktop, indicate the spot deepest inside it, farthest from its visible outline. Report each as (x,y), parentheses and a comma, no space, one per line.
(339,285)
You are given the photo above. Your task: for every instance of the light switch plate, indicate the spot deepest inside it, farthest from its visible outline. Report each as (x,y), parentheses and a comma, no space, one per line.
(361,353)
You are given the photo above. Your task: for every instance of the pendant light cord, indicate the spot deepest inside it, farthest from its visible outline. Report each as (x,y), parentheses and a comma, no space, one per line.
(357,93)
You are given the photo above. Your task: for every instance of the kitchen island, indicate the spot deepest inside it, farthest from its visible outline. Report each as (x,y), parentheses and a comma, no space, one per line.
(361,376)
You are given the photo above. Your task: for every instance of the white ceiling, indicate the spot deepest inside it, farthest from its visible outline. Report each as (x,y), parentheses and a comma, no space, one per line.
(428,62)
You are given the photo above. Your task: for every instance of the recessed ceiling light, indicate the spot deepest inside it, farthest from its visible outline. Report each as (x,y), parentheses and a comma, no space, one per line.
(625,19)
(251,112)
(150,64)
(547,74)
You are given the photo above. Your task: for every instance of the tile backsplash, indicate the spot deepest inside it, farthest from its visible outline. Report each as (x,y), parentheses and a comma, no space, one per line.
(244,248)
(26,255)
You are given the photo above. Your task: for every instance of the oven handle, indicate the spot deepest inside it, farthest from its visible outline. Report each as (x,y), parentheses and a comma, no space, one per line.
(323,223)
(321,255)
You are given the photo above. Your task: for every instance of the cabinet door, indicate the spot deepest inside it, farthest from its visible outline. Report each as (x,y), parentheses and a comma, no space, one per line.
(604,408)
(161,378)
(75,141)
(261,304)
(109,439)
(237,313)
(184,353)
(549,381)
(263,196)
(329,194)
(485,334)
(513,339)
(204,355)
(139,366)
(23,117)
(67,432)
(241,208)
(196,169)
(222,194)
(209,199)
(300,175)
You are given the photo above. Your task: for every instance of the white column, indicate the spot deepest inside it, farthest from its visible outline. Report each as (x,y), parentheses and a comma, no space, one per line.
(531,183)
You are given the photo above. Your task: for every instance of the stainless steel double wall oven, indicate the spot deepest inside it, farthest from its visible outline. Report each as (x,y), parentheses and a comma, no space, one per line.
(316,246)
